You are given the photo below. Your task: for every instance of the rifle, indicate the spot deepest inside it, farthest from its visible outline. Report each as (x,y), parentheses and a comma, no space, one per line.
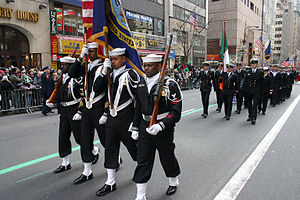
(55,91)
(86,69)
(160,84)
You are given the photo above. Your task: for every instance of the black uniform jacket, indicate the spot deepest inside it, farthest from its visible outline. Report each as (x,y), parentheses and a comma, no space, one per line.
(240,75)
(230,83)
(267,83)
(253,82)
(217,80)
(170,102)
(205,80)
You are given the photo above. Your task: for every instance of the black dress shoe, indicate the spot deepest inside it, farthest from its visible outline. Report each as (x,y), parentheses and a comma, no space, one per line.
(44,113)
(82,178)
(62,169)
(106,189)
(238,112)
(227,118)
(204,115)
(263,113)
(171,190)
(249,119)
(253,122)
(96,158)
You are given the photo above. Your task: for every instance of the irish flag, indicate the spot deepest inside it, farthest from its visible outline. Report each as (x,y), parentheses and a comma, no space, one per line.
(224,48)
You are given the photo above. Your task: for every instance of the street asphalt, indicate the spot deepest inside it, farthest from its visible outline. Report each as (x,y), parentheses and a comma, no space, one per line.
(210,152)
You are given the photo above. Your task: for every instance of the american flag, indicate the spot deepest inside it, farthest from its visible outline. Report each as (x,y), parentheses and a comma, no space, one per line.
(192,19)
(286,63)
(87,13)
(259,42)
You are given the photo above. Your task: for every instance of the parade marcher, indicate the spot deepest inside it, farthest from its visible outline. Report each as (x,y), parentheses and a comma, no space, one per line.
(45,82)
(229,88)
(93,107)
(118,119)
(159,136)
(282,83)
(252,85)
(69,98)
(276,82)
(218,90)
(267,85)
(206,78)
(240,73)
(291,79)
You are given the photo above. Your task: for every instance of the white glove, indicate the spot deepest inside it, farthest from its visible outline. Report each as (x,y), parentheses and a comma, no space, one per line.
(154,129)
(50,105)
(103,119)
(84,51)
(77,117)
(106,65)
(135,135)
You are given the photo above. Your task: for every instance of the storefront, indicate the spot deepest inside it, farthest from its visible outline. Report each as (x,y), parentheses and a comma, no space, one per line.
(24,34)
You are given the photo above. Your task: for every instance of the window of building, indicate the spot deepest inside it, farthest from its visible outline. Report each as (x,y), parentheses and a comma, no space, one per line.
(278,42)
(251,6)
(278,29)
(248,3)
(140,23)
(278,48)
(160,27)
(278,22)
(277,35)
(279,16)
(178,12)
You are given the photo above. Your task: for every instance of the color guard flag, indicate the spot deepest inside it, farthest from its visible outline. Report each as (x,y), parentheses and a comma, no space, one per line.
(110,14)
(286,63)
(268,52)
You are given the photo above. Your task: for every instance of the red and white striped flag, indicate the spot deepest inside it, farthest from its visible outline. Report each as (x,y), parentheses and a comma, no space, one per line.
(286,63)
(259,42)
(87,13)
(192,19)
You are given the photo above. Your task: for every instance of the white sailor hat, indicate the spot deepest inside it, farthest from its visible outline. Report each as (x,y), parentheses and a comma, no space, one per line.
(118,52)
(230,65)
(92,45)
(206,63)
(152,58)
(265,68)
(67,59)
(254,60)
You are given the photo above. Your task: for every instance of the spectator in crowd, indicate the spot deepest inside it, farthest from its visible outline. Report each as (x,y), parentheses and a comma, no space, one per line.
(6,71)
(5,90)
(14,78)
(1,74)
(27,87)
(37,79)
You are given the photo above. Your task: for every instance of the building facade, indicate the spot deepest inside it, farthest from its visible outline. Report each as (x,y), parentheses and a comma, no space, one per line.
(24,34)
(190,47)
(243,21)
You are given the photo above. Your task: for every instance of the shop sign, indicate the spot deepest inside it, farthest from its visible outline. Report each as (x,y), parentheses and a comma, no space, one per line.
(172,53)
(155,43)
(138,16)
(68,44)
(54,65)
(6,12)
(54,44)
(27,16)
(139,40)
(53,22)
(54,57)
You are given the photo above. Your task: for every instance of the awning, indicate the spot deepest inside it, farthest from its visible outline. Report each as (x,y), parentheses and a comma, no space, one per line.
(146,52)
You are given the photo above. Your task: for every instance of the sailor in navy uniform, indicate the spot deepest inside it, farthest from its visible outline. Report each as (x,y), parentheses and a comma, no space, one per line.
(291,80)
(276,82)
(93,108)
(217,81)
(68,98)
(159,136)
(119,117)
(206,79)
(252,84)
(267,85)
(240,73)
(230,86)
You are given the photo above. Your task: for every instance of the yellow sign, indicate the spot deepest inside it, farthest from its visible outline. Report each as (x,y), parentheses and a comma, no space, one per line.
(6,12)
(27,16)
(54,65)
(140,40)
(68,46)
(153,43)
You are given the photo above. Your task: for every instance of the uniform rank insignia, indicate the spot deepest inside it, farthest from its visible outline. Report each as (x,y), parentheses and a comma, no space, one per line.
(141,85)
(164,91)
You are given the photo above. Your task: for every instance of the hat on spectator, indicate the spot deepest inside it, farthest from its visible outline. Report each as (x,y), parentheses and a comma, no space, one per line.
(1,72)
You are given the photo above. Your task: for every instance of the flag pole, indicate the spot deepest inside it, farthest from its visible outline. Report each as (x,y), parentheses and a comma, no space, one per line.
(105,30)
(86,69)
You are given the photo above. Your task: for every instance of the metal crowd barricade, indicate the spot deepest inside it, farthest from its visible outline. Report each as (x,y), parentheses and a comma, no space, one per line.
(17,100)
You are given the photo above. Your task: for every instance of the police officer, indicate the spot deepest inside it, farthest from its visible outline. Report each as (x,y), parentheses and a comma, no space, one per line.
(218,90)
(159,136)
(45,81)
(252,85)
(229,88)
(93,107)
(69,98)
(267,85)
(119,117)
(206,78)
(240,73)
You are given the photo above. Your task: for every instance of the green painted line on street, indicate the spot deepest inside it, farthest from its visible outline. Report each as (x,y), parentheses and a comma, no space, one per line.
(32,162)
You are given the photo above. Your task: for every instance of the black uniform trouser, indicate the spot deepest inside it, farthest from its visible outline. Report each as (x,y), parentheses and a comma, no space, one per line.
(113,137)
(66,126)
(146,149)
(252,102)
(45,108)
(239,100)
(90,122)
(228,104)
(220,99)
(263,102)
(205,101)
(289,92)
(275,96)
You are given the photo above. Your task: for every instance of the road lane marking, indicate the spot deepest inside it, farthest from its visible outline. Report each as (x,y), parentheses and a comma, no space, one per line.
(188,111)
(26,164)
(232,189)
